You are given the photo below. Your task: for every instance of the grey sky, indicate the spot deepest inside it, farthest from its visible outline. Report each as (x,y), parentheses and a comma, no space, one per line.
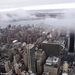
(11,3)
(17,3)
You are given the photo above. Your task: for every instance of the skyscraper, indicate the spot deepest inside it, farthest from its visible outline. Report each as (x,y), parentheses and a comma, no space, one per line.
(31,57)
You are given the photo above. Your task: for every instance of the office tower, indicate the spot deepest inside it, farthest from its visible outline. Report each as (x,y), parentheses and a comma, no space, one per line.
(7,66)
(71,45)
(16,58)
(31,57)
(52,49)
(25,60)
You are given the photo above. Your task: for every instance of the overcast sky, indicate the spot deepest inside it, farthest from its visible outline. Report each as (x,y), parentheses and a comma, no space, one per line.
(68,20)
(11,3)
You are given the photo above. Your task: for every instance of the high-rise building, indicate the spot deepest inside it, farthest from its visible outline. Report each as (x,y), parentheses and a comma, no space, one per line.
(31,57)
(7,66)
